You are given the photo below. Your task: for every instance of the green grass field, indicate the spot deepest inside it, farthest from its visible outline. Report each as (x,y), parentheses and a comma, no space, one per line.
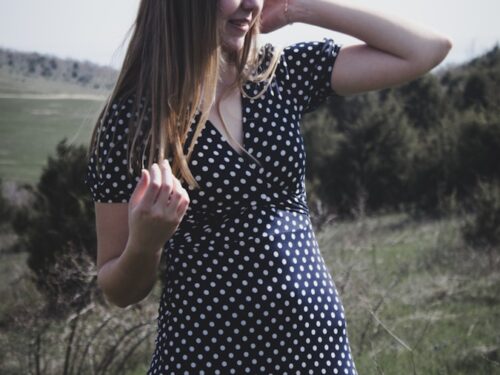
(31,128)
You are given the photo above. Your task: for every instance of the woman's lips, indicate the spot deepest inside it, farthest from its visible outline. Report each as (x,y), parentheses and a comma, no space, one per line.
(242,25)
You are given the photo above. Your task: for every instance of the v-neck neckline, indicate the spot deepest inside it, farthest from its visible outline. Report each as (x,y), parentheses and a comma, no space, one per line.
(244,129)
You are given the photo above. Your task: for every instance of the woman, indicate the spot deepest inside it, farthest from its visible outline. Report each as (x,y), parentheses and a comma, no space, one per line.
(246,288)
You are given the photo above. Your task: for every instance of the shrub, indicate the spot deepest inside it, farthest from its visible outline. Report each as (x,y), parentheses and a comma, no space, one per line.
(5,207)
(478,151)
(96,339)
(362,157)
(60,222)
(482,229)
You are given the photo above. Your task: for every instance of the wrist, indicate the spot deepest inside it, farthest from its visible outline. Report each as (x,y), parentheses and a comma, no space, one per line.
(141,251)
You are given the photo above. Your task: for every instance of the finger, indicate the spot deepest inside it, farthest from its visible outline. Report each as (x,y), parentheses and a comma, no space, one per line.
(176,195)
(176,191)
(167,184)
(185,193)
(154,186)
(140,188)
(168,177)
(184,201)
(182,207)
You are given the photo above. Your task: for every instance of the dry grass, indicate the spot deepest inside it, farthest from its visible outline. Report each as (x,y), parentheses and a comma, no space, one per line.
(417,299)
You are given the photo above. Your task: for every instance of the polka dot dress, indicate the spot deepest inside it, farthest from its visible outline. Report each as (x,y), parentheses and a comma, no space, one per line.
(247,290)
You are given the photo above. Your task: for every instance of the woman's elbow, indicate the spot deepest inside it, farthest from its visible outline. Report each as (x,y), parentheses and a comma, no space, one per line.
(440,49)
(111,296)
(117,302)
(444,47)
(430,55)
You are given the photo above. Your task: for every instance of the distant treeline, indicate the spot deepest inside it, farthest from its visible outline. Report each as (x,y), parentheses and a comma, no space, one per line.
(416,146)
(33,64)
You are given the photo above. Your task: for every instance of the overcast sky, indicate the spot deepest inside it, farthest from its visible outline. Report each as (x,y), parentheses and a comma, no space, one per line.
(94,29)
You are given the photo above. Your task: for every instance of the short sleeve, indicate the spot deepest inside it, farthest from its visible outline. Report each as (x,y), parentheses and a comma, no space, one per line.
(306,71)
(111,183)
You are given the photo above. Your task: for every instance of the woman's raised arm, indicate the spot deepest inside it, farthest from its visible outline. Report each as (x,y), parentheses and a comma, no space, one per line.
(395,51)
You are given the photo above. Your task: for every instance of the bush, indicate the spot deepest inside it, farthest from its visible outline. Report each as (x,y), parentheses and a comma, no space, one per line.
(58,226)
(94,340)
(362,157)
(482,229)
(5,207)
(478,149)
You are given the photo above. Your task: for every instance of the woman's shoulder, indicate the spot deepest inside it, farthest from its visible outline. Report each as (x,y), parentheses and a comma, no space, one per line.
(304,70)
(311,52)
(121,113)
(125,104)
(304,57)
(109,176)
(326,45)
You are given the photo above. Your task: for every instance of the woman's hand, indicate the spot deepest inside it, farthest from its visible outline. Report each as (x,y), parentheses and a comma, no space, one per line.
(156,207)
(273,15)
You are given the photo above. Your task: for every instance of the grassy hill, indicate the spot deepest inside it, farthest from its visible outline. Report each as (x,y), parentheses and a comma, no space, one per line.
(31,128)
(42,100)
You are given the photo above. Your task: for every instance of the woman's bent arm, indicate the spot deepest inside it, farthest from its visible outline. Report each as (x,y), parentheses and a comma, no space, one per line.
(127,272)
(131,236)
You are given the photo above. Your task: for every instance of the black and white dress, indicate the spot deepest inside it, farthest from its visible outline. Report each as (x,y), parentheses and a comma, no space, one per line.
(247,290)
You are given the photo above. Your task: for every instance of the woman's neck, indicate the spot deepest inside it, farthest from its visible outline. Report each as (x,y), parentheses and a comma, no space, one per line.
(227,76)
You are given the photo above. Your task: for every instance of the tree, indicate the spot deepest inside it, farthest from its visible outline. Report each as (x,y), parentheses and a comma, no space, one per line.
(476,92)
(361,154)
(423,101)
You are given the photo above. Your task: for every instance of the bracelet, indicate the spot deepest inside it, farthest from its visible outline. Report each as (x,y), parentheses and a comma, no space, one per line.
(286,13)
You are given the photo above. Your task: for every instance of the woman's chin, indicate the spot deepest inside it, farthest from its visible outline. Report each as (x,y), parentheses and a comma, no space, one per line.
(232,47)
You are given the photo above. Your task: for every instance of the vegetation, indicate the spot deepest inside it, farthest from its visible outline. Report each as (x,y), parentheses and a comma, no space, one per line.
(30,130)
(57,231)
(482,229)
(417,298)
(56,320)
(5,208)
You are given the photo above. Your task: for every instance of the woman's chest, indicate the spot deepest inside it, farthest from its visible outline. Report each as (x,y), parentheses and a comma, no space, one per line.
(270,132)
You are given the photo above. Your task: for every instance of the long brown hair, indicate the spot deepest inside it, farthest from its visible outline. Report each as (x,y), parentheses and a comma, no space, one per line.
(172,66)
